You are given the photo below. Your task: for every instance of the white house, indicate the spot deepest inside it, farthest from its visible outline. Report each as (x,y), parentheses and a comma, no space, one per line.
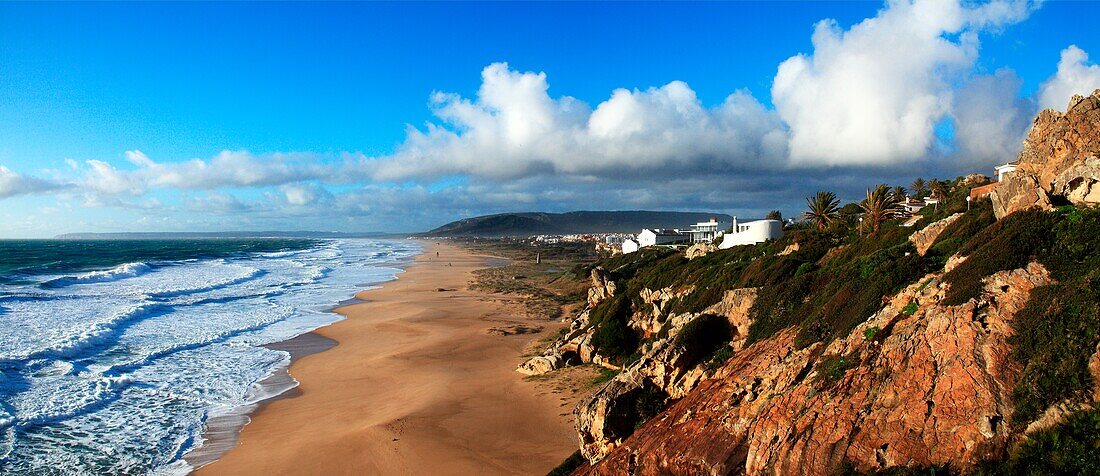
(1004,169)
(705,232)
(751,233)
(659,236)
(629,246)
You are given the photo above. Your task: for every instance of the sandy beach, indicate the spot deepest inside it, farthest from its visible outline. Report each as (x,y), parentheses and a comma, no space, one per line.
(416,385)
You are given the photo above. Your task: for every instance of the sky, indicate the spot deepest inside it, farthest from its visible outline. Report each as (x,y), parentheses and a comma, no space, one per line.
(400,117)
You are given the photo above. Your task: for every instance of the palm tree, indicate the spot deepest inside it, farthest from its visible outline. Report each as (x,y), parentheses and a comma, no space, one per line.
(899,193)
(823,209)
(938,189)
(880,205)
(774,215)
(918,187)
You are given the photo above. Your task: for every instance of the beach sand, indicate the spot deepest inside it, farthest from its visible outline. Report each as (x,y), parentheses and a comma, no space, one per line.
(416,385)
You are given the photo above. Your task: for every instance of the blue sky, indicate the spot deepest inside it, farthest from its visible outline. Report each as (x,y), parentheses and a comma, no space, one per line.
(308,105)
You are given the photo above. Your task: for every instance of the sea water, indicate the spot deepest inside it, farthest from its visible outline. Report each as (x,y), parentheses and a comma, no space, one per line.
(113,354)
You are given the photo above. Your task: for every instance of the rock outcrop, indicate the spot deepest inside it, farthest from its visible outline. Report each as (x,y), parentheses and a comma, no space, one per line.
(602,286)
(1059,159)
(924,238)
(603,420)
(699,250)
(919,389)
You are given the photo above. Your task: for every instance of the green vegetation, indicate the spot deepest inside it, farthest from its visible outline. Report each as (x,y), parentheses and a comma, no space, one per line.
(1068,448)
(702,337)
(831,368)
(613,336)
(823,209)
(570,464)
(839,277)
(605,375)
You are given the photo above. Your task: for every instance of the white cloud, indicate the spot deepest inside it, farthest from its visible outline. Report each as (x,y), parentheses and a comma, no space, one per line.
(304,194)
(13,183)
(515,129)
(1075,76)
(991,119)
(872,95)
(104,178)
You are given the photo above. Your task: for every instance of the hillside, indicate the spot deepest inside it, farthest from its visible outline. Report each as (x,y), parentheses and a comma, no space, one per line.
(967,343)
(535,223)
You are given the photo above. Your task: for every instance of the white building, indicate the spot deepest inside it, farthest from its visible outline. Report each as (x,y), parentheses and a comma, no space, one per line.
(1004,169)
(705,232)
(629,246)
(751,233)
(658,236)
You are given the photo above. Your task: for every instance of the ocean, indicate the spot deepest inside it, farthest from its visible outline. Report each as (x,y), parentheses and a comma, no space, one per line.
(114,353)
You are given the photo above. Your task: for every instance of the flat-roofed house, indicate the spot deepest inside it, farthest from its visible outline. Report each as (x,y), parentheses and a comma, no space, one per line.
(658,236)
(705,232)
(1005,169)
(751,233)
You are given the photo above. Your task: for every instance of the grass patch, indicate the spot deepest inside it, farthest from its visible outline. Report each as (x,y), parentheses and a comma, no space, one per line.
(570,464)
(1067,448)
(831,368)
(605,375)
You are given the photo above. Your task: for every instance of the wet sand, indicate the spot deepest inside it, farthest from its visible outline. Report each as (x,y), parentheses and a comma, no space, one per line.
(416,385)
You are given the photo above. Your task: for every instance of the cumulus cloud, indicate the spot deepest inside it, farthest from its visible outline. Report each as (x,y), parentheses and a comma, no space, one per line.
(514,128)
(1075,76)
(991,119)
(873,94)
(228,169)
(304,194)
(12,184)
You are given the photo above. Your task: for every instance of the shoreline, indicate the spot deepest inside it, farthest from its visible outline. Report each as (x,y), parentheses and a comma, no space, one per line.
(221,432)
(416,408)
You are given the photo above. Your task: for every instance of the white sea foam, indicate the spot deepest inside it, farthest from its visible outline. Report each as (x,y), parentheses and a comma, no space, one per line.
(115,371)
(122,271)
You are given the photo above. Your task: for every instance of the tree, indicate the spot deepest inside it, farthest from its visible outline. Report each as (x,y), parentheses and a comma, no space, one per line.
(899,193)
(918,187)
(938,189)
(774,215)
(880,205)
(823,209)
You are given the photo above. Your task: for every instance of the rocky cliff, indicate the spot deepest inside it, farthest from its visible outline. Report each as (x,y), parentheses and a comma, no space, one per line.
(1058,162)
(963,344)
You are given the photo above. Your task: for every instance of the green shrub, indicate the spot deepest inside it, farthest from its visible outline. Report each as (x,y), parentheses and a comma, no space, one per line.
(871,332)
(702,337)
(1007,244)
(910,309)
(574,461)
(719,358)
(605,375)
(1067,448)
(831,368)
(613,337)
(1056,333)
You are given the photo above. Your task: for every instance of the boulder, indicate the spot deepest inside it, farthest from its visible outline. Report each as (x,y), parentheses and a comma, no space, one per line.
(699,250)
(924,238)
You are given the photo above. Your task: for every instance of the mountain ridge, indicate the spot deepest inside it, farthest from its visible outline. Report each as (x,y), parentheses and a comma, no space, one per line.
(582,221)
